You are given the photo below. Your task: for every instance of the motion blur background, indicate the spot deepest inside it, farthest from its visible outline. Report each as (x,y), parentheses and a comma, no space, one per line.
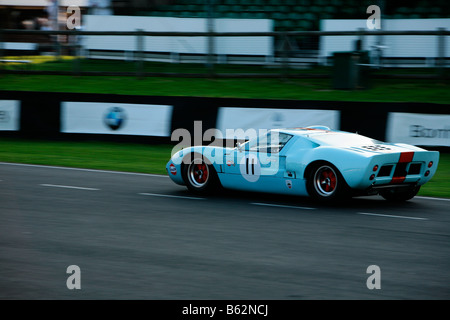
(289,38)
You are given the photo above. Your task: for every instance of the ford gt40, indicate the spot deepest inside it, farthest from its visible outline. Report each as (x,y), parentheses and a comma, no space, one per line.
(324,164)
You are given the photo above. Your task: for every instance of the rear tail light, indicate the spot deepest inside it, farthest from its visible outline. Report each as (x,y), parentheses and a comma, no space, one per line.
(375,168)
(430,164)
(372,177)
(427,173)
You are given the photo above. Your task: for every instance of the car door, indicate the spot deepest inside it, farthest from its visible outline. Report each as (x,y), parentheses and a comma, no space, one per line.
(257,162)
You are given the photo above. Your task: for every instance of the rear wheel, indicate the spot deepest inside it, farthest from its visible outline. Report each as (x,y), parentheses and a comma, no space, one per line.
(325,183)
(399,195)
(199,176)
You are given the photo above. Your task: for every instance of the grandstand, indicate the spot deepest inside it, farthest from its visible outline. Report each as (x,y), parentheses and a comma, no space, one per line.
(288,15)
(299,15)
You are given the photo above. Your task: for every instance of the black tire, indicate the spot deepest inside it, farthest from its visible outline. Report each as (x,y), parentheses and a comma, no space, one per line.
(199,175)
(399,195)
(326,184)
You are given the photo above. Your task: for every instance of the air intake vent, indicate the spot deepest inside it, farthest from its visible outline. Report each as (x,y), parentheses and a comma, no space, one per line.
(385,171)
(414,168)
(376,147)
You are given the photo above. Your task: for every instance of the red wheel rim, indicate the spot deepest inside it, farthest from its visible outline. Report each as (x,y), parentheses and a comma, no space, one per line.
(198,173)
(325,181)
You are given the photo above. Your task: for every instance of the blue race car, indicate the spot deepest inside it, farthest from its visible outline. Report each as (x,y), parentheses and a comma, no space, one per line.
(315,161)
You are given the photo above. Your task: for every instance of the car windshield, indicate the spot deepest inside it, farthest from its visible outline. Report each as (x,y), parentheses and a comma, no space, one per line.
(272,142)
(343,139)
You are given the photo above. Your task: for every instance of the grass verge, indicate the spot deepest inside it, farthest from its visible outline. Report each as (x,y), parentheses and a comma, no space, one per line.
(87,154)
(382,90)
(140,158)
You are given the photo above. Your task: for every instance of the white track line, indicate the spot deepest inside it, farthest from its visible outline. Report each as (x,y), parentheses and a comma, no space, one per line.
(362,213)
(281,206)
(67,187)
(137,174)
(431,198)
(81,169)
(170,196)
(390,216)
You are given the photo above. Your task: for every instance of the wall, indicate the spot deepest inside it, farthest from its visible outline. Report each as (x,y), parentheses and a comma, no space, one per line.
(152,119)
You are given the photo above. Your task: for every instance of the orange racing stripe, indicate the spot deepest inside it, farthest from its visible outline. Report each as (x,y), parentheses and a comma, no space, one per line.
(405,157)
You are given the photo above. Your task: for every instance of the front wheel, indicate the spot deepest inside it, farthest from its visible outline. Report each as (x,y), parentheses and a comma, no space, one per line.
(400,195)
(325,183)
(199,176)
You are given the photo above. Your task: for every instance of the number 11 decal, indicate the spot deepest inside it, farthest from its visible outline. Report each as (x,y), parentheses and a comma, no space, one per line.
(250,168)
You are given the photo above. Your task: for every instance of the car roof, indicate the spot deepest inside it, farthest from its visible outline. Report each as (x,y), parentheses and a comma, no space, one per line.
(308,131)
(325,136)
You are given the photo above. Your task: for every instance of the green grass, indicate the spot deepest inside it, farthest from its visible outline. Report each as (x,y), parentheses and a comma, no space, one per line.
(67,63)
(439,185)
(89,154)
(140,158)
(387,90)
(381,90)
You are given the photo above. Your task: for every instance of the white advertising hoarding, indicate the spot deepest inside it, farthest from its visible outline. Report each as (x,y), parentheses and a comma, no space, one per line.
(262,46)
(233,119)
(43,3)
(394,46)
(9,115)
(418,129)
(116,118)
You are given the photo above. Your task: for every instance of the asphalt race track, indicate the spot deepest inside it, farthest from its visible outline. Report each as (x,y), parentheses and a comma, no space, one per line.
(137,236)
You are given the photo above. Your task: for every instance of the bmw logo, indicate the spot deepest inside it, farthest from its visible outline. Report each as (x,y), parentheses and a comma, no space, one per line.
(115,118)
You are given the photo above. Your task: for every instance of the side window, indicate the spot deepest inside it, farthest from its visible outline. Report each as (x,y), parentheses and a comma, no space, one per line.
(272,142)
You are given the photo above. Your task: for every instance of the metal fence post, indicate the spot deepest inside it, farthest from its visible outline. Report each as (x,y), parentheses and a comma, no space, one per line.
(284,55)
(139,53)
(77,53)
(361,39)
(441,53)
(58,49)
(1,48)
(210,30)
